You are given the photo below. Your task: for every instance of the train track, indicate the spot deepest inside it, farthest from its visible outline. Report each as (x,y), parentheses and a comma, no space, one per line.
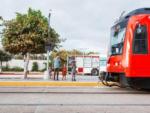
(69,90)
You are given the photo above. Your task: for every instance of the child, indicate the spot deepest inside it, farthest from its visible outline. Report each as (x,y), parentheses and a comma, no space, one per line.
(64,72)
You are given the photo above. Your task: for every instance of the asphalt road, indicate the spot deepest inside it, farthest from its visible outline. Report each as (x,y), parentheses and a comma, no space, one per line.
(73,100)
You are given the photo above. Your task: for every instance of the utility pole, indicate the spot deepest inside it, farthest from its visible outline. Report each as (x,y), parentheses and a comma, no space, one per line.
(48,48)
(1,24)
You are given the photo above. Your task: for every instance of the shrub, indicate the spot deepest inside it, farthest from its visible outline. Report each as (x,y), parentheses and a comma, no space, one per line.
(15,69)
(35,66)
(5,68)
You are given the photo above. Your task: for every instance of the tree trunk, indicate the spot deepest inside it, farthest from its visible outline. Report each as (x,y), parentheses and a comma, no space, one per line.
(26,63)
(0,66)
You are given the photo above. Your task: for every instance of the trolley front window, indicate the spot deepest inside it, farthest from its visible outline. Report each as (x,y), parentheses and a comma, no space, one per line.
(117,40)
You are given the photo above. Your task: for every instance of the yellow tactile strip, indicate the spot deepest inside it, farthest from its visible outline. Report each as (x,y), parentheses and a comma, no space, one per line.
(47,83)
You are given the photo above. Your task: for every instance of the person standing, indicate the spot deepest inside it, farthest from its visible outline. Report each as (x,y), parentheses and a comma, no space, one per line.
(57,64)
(64,72)
(73,71)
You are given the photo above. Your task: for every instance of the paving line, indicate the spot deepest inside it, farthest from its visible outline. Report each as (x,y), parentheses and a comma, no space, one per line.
(50,104)
(73,93)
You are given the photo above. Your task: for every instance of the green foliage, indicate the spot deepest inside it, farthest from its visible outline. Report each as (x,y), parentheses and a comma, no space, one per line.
(1,18)
(35,66)
(28,33)
(4,56)
(14,69)
(64,53)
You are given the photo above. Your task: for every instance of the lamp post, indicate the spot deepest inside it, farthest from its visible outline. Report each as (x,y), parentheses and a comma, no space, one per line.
(1,25)
(48,48)
(1,22)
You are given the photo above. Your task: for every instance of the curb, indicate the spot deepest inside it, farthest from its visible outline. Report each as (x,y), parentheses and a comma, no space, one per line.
(45,83)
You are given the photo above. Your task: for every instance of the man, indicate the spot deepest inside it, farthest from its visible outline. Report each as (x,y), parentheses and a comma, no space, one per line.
(57,63)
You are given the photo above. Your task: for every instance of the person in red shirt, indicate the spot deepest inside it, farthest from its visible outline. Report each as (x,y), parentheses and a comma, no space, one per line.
(64,72)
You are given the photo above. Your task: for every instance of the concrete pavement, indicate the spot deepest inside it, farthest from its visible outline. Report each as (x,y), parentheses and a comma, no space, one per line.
(36,77)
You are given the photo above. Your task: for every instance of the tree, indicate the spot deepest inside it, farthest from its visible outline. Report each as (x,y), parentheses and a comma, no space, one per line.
(4,57)
(1,18)
(64,54)
(27,34)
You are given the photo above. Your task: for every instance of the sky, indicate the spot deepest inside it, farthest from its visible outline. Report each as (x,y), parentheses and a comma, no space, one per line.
(84,23)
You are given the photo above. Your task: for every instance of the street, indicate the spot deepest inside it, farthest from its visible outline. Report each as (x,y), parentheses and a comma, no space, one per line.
(73,100)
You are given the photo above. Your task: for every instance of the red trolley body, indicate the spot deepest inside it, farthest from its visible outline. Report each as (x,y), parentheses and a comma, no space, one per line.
(129,52)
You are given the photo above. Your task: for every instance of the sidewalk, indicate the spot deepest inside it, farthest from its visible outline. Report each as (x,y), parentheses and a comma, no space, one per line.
(37,80)
(33,77)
